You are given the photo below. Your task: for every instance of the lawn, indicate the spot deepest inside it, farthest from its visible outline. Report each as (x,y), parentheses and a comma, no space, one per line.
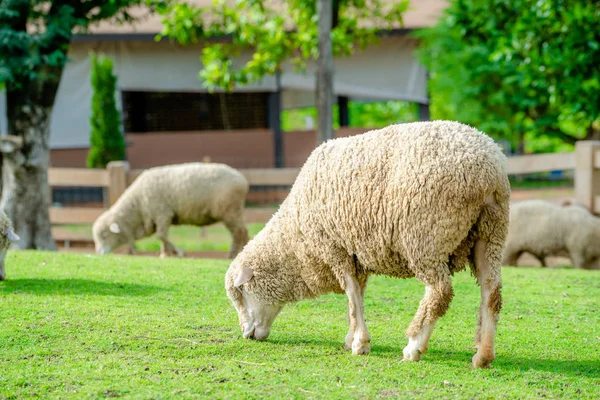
(83,326)
(188,238)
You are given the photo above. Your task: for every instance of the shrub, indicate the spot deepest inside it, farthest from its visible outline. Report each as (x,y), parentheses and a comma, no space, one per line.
(106,138)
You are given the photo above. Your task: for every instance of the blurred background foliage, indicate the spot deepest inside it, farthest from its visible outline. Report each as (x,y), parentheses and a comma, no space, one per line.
(361,114)
(523,71)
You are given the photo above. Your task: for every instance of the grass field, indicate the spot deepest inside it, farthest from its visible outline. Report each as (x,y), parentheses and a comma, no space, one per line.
(81,326)
(188,238)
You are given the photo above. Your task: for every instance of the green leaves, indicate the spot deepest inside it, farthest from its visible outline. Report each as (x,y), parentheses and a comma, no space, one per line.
(40,53)
(275,32)
(524,69)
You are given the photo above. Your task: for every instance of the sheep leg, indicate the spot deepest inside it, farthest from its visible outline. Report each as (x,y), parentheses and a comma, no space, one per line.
(356,312)
(577,260)
(166,247)
(239,233)
(435,303)
(488,277)
(511,258)
(542,260)
(362,281)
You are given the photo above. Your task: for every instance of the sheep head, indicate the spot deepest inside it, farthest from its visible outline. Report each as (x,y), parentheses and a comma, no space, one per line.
(255,315)
(108,234)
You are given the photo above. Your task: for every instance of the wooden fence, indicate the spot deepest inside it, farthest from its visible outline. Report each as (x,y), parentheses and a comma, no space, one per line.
(117,176)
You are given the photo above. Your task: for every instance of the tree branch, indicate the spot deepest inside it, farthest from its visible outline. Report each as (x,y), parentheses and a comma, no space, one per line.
(565,137)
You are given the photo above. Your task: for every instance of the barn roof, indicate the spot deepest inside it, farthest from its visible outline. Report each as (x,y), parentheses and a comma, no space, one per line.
(421,14)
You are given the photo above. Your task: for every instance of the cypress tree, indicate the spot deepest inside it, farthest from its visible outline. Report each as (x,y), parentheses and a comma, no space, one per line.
(106,139)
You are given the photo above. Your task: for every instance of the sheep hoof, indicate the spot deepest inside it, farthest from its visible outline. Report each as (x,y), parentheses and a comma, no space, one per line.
(411,354)
(481,361)
(361,349)
(348,341)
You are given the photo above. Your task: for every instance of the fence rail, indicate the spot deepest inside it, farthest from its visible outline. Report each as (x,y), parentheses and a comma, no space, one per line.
(585,161)
(540,163)
(117,177)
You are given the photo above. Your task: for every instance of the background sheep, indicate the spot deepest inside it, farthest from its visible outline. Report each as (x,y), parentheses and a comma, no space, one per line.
(185,194)
(544,229)
(7,236)
(411,200)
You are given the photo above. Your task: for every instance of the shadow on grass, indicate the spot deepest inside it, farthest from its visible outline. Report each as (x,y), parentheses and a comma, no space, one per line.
(332,344)
(74,287)
(586,368)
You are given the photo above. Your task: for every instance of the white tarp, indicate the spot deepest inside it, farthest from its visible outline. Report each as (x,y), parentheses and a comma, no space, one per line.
(384,72)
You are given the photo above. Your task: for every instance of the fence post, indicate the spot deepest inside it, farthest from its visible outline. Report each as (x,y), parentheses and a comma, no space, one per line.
(117,179)
(587,174)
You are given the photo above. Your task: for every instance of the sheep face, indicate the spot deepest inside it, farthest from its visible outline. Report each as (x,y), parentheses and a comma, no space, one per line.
(5,241)
(107,236)
(255,316)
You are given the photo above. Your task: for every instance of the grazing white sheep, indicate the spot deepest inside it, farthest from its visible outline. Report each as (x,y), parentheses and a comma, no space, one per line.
(185,194)
(412,200)
(544,229)
(7,236)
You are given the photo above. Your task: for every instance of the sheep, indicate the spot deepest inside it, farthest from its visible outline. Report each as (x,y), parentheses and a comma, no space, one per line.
(572,202)
(7,236)
(544,229)
(410,200)
(185,194)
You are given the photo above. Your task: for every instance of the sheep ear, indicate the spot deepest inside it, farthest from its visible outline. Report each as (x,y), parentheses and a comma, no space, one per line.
(114,228)
(12,236)
(245,275)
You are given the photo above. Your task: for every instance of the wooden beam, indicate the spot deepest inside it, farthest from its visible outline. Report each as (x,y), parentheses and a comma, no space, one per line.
(80,177)
(133,175)
(343,113)
(324,63)
(587,175)
(597,159)
(83,215)
(74,215)
(540,163)
(274,121)
(270,177)
(258,215)
(117,173)
(424,114)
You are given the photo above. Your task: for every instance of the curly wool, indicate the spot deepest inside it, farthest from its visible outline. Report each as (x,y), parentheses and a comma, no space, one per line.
(5,224)
(544,229)
(185,194)
(401,201)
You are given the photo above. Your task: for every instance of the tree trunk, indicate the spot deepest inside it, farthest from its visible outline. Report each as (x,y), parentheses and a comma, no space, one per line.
(26,193)
(520,144)
(593,132)
(325,72)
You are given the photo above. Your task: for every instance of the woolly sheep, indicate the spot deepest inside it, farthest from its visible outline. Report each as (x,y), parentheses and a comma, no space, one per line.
(185,194)
(7,236)
(544,229)
(411,200)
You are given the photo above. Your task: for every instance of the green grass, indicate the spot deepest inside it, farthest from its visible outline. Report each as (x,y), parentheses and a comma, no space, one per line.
(81,326)
(188,238)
